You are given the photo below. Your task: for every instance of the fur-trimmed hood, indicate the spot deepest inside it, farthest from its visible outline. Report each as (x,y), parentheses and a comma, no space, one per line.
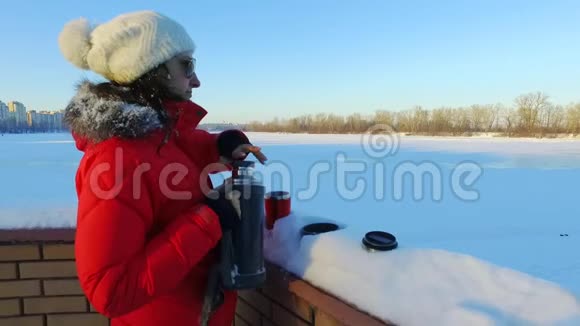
(100,111)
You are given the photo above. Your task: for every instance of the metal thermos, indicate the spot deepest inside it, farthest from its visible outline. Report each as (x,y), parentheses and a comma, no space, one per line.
(242,248)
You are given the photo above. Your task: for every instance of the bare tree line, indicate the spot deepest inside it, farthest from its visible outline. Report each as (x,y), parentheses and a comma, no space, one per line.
(532,114)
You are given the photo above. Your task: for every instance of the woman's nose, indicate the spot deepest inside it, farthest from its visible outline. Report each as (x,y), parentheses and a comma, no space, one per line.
(194,81)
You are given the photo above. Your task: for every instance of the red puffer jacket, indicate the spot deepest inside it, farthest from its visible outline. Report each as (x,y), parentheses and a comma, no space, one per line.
(144,238)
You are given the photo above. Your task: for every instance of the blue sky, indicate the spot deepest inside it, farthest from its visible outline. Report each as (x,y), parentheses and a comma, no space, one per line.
(263,59)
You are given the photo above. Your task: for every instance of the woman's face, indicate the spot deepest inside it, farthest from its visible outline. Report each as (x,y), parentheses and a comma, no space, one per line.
(182,78)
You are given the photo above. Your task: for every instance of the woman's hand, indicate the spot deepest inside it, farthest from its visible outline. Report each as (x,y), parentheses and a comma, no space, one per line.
(243,150)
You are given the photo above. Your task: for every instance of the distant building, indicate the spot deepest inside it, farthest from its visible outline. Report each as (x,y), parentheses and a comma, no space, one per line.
(17,111)
(3,111)
(32,118)
(58,117)
(45,120)
(15,117)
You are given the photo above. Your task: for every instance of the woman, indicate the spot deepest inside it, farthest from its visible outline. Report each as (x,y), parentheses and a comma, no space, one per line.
(146,233)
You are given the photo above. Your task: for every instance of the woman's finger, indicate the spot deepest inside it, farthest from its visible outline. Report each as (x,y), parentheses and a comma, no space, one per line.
(239,155)
(260,156)
(242,151)
(257,151)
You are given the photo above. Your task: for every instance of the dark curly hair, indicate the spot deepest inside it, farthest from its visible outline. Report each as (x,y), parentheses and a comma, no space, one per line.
(148,90)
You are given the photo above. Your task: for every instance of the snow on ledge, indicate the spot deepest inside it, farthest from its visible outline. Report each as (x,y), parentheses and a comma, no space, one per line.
(416,286)
(37,217)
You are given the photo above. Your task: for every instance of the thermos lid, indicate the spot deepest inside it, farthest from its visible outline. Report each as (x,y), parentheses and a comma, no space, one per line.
(244,164)
(379,241)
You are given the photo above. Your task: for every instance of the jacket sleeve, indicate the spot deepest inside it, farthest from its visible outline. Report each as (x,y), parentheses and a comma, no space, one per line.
(122,267)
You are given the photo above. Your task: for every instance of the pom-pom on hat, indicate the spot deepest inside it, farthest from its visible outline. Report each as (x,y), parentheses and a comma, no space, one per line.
(126,47)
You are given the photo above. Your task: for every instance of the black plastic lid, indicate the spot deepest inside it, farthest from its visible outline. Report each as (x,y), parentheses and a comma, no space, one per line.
(317,228)
(379,241)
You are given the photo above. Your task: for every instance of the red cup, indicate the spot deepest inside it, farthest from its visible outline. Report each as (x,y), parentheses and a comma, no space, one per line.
(277,206)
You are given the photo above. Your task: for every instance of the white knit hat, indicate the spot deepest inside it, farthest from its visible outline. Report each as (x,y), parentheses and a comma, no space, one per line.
(126,47)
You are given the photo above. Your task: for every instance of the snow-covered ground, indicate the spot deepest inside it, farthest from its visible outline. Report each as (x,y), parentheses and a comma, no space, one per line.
(487,236)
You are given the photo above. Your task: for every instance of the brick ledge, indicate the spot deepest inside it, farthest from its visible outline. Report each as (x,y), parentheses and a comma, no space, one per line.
(37,235)
(338,309)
